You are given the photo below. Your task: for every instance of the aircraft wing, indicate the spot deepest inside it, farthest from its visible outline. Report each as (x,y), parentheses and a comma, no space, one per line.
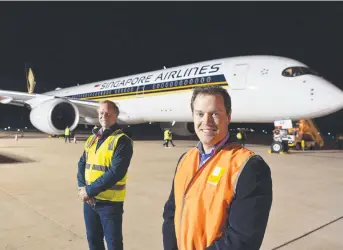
(87,108)
(15,97)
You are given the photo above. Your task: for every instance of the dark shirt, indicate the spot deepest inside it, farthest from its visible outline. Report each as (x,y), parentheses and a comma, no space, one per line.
(119,164)
(248,211)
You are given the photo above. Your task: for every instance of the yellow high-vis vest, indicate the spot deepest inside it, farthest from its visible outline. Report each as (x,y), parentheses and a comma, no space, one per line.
(166,135)
(98,163)
(67,131)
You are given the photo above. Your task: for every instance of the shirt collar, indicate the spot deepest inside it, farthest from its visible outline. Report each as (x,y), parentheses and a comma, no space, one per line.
(99,132)
(215,148)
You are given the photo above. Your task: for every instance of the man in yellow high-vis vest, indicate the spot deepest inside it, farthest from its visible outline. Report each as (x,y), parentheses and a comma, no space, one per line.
(67,134)
(222,192)
(102,176)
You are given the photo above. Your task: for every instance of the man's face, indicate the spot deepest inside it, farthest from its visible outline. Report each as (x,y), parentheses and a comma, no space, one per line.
(210,119)
(107,115)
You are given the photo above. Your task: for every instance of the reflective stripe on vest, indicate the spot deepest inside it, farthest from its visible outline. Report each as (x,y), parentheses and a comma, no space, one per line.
(98,163)
(203,195)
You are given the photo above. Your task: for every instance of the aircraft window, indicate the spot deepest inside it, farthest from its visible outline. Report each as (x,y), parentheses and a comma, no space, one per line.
(298,71)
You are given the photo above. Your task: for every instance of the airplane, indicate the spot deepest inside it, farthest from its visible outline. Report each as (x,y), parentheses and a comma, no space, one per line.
(263,89)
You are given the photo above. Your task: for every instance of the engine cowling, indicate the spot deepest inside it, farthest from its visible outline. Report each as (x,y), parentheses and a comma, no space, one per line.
(180,128)
(53,116)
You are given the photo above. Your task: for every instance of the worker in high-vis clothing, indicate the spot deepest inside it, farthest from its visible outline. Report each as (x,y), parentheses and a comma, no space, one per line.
(67,134)
(241,136)
(168,137)
(303,145)
(102,177)
(222,193)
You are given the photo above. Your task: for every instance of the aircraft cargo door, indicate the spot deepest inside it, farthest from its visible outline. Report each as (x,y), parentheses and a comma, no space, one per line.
(239,78)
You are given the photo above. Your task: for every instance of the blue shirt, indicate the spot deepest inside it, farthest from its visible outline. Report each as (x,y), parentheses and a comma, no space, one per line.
(204,157)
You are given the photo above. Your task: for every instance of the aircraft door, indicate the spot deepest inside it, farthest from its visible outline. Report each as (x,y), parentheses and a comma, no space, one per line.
(240,74)
(140,91)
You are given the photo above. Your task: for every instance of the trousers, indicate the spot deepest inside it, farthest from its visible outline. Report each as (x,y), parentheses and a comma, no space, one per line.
(104,220)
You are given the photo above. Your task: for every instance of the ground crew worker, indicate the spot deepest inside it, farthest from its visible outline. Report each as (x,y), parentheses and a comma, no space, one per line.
(67,134)
(166,137)
(303,145)
(102,175)
(241,136)
(222,193)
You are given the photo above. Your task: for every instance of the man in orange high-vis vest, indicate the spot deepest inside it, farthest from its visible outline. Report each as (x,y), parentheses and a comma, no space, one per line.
(222,193)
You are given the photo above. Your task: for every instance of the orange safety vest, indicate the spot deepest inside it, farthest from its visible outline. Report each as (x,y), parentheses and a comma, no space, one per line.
(203,195)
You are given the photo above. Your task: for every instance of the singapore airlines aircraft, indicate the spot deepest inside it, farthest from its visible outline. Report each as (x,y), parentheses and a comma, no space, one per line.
(263,89)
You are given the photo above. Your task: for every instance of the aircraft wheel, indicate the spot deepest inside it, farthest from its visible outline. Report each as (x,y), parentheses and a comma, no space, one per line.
(277,147)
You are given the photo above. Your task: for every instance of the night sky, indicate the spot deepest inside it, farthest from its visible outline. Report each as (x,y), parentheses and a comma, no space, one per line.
(67,43)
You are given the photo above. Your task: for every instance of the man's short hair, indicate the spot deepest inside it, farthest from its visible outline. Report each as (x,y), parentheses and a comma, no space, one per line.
(212,90)
(111,104)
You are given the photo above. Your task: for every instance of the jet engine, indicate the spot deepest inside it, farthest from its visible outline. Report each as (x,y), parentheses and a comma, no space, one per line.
(54,115)
(180,128)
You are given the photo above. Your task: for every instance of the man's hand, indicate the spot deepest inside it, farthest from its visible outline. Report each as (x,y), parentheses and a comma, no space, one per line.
(84,196)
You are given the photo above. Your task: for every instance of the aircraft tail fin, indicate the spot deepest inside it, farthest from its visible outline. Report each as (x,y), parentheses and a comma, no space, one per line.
(31,83)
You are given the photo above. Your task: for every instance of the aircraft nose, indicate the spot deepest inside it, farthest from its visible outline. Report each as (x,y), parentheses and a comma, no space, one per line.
(332,96)
(336,98)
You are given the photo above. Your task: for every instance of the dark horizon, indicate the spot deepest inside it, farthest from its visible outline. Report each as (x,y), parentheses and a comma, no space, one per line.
(67,43)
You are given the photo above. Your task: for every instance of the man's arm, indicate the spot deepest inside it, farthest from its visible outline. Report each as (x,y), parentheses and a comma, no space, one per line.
(81,182)
(168,227)
(120,163)
(249,210)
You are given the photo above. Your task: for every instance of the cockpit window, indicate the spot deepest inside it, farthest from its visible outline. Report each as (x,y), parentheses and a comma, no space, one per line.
(298,71)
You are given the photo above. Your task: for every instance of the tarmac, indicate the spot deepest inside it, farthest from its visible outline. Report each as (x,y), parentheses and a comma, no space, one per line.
(40,208)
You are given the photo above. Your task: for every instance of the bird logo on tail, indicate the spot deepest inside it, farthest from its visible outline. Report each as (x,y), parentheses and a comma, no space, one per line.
(31,83)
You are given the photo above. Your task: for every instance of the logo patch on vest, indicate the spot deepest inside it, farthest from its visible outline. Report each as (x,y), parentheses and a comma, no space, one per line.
(215,176)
